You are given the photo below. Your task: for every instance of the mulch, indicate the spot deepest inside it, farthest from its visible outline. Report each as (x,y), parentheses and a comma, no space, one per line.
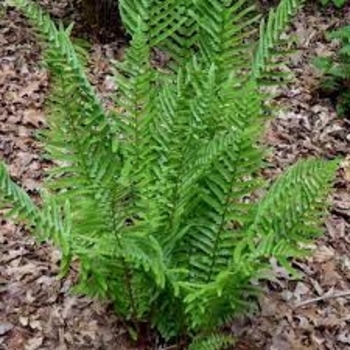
(38,311)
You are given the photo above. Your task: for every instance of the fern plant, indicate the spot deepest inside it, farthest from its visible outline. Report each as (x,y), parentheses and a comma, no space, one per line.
(335,81)
(157,199)
(336,3)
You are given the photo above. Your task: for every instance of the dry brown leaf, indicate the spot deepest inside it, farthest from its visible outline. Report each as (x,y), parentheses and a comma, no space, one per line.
(323,254)
(312,314)
(344,337)
(35,324)
(24,320)
(300,291)
(30,88)
(304,323)
(27,269)
(31,185)
(280,341)
(34,117)
(330,275)
(5,327)
(34,343)
(16,340)
(345,165)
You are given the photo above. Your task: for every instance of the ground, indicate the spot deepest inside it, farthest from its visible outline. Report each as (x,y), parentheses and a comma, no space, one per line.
(38,311)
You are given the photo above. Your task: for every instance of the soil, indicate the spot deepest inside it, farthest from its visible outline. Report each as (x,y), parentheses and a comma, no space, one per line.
(38,311)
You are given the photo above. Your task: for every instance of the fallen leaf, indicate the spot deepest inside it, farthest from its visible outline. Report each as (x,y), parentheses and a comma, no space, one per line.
(34,117)
(344,337)
(24,321)
(323,254)
(330,275)
(34,343)
(5,327)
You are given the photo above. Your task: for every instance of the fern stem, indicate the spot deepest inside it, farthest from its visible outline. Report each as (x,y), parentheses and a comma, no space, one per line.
(126,270)
(80,150)
(219,231)
(84,165)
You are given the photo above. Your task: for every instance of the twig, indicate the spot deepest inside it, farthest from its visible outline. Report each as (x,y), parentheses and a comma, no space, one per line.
(171,347)
(323,297)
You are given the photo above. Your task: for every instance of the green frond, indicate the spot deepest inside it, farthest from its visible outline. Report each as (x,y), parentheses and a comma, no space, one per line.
(157,199)
(290,211)
(225,33)
(270,32)
(22,206)
(78,129)
(218,176)
(167,23)
(135,80)
(211,305)
(221,104)
(212,342)
(55,224)
(50,222)
(137,265)
(62,50)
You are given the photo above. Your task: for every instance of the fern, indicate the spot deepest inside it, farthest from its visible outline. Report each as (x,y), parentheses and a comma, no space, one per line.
(23,207)
(158,198)
(337,3)
(336,71)
(212,342)
(270,32)
(167,23)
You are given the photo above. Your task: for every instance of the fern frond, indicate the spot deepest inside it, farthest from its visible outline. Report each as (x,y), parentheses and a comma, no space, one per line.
(297,194)
(209,305)
(137,265)
(270,32)
(167,23)
(225,33)
(135,79)
(292,208)
(50,222)
(23,208)
(79,131)
(212,342)
(218,176)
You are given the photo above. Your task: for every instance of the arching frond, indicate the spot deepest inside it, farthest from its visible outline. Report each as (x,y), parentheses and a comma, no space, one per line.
(270,32)
(291,209)
(225,33)
(23,208)
(212,342)
(167,23)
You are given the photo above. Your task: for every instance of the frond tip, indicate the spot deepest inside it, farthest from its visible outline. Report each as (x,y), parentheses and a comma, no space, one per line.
(296,194)
(23,208)
(292,209)
(270,32)
(212,342)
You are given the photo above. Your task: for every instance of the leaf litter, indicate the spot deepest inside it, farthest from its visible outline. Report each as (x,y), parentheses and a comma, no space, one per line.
(36,309)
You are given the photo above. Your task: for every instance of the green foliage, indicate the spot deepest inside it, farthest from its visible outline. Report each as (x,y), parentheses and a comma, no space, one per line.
(336,3)
(158,199)
(223,31)
(336,71)
(212,342)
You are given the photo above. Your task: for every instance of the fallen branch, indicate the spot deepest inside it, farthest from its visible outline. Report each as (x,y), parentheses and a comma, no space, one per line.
(171,347)
(323,297)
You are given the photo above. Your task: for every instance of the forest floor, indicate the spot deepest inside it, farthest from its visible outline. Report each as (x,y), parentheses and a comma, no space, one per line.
(37,311)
